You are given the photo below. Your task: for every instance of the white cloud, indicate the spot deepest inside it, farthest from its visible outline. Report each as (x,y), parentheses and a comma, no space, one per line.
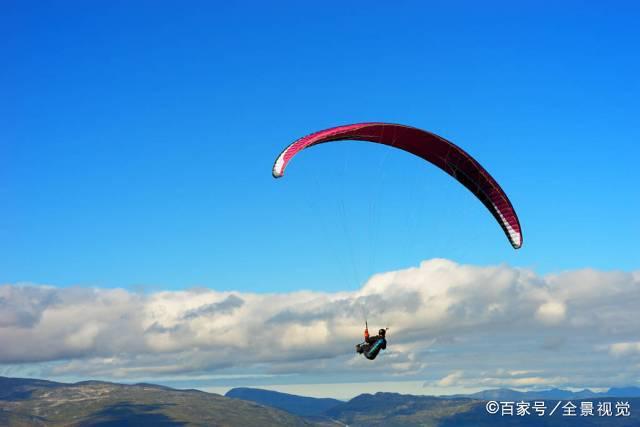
(452,379)
(497,378)
(498,325)
(551,313)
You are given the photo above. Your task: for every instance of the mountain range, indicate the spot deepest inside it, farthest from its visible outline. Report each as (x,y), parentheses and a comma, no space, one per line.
(393,409)
(34,402)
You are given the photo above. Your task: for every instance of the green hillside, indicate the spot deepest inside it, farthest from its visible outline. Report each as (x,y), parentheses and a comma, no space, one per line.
(30,402)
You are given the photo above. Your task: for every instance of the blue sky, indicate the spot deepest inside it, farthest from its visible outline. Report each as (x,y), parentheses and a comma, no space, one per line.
(136,140)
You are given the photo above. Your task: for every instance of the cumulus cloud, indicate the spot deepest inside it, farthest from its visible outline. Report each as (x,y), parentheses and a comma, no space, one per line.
(22,307)
(450,325)
(225,306)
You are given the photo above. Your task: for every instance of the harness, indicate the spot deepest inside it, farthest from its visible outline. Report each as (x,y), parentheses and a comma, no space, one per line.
(375,349)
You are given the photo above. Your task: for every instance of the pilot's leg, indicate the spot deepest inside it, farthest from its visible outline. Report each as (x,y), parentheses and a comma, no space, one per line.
(362,348)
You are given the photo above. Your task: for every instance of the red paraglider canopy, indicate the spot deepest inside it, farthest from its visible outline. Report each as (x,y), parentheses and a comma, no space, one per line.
(432,148)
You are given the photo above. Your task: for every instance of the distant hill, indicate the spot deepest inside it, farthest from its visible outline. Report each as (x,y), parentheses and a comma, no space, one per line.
(624,392)
(395,410)
(27,402)
(478,417)
(21,388)
(508,394)
(392,409)
(298,405)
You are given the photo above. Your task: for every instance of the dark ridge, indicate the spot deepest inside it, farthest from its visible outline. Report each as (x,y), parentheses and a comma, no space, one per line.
(297,405)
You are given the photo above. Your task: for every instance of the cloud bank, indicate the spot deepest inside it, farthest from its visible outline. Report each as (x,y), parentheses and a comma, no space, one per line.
(450,325)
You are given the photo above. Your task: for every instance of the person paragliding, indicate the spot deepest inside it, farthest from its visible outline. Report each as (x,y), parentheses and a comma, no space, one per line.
(372,345)
(435,150)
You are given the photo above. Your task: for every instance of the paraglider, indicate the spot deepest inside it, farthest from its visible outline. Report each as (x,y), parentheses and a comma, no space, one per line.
(372,345)
(435,150)
(430,147)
